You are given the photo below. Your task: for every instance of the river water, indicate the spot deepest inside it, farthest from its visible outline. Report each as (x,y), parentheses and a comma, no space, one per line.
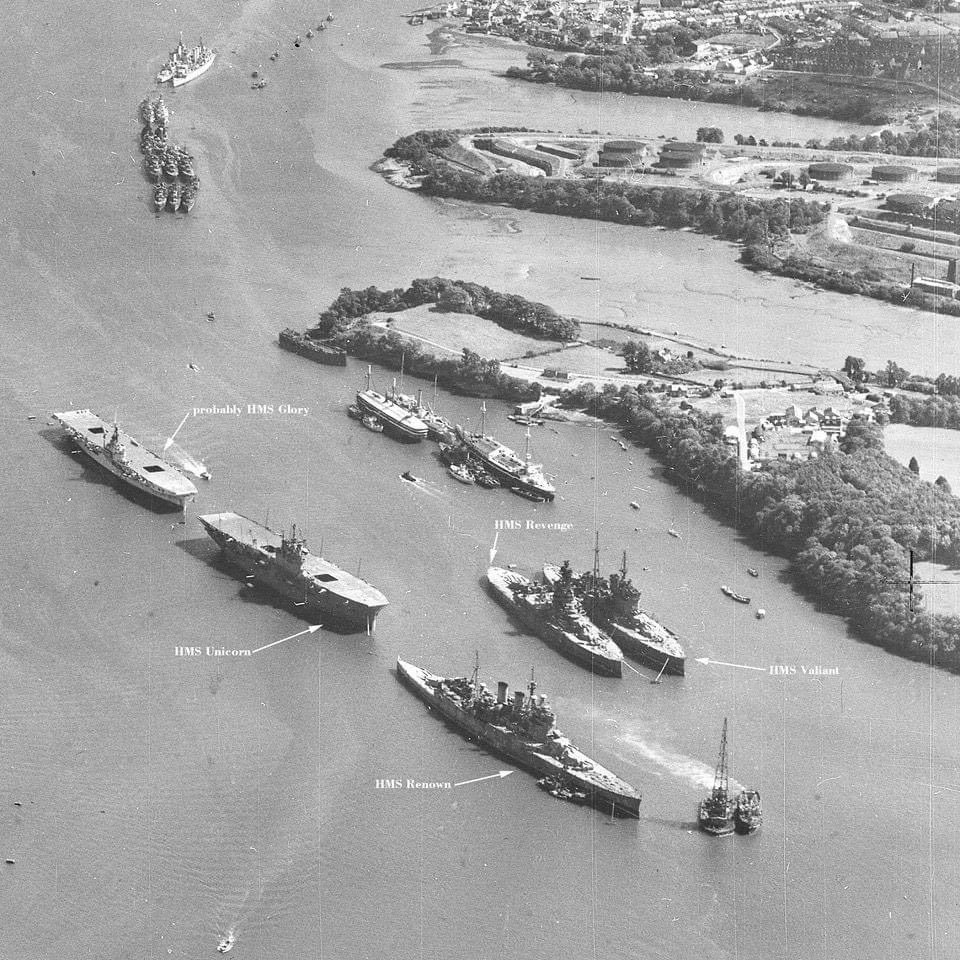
(165,799)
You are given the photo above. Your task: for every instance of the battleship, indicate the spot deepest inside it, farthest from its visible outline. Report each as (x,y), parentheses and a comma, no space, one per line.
(512,471)
(396,419)
(312,349)
(557,617)
(613,604)
(715,815)
(126,458)
(316,587)
(186,64)
(520,729)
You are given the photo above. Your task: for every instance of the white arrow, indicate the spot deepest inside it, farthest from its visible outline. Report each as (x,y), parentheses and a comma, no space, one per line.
(312,629)
(723,663)
(493,549)
(169,442)
(492,776)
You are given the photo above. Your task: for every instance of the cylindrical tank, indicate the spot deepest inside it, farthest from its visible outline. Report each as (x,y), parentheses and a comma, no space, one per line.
(829,171)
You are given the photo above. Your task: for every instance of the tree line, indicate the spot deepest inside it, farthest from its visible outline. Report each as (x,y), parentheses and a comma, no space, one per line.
(846,520)
(507,310)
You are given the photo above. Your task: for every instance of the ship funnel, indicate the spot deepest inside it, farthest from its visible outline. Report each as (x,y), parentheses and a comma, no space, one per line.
(518,696)
(501,691)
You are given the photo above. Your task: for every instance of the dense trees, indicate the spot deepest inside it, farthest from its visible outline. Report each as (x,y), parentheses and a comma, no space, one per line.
(727,215)
(846,520)
(627,71)
(938,137)
(505,309)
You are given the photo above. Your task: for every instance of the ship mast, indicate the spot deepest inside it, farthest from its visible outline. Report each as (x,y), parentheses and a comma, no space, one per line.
(531,686)
(527,448)
(476,674)
(623,566)
(596,557)
(483,418)
(720,778)
(369,375)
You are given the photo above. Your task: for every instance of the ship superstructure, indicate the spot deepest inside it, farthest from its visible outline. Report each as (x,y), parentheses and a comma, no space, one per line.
(505,465)
(186,64)
(126,458)
(557,618)
(613,603)
(521,728)
(396,419)
(316,587)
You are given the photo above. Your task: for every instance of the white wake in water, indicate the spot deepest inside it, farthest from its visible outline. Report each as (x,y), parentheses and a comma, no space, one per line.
(695,772)
(180,458)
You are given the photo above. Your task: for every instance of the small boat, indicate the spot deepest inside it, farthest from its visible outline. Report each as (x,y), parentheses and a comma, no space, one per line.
(330,17)
(226,943)
(409,477)
(309,34)
(733,595)
(205,475)
(354,412)
(460,472)
(372,423)
(483,479)
(761,613)
(563,791)
(753,572)
(634,504)
(673,533)
(623,446)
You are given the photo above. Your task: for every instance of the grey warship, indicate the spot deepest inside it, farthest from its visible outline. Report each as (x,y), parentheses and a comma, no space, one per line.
(521,729)
(316,587)
(613,604)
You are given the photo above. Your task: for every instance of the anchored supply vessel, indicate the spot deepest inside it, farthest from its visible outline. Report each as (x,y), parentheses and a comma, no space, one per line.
(613,604)
(521,729)
(126,458)
(397,420)
(716,810)
(748,815)
(557,617)
(312,349)
(316,587)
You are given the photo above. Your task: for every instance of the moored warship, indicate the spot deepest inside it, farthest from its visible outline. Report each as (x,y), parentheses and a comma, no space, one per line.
(613,604)
(557,618)
(186,64)
(126,458)
(316,587)
(520,729)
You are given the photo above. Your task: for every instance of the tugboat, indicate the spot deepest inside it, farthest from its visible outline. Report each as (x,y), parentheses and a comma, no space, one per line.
(748,814)
(521,729)
(613,603)
(354,412)
(226,943)
(739,597)
(459,472)
(716,810)
(372,423)
(557,618)
(562,789)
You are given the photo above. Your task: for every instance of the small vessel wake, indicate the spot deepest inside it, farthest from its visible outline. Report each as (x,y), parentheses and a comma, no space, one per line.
(190,464)
(695,772)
